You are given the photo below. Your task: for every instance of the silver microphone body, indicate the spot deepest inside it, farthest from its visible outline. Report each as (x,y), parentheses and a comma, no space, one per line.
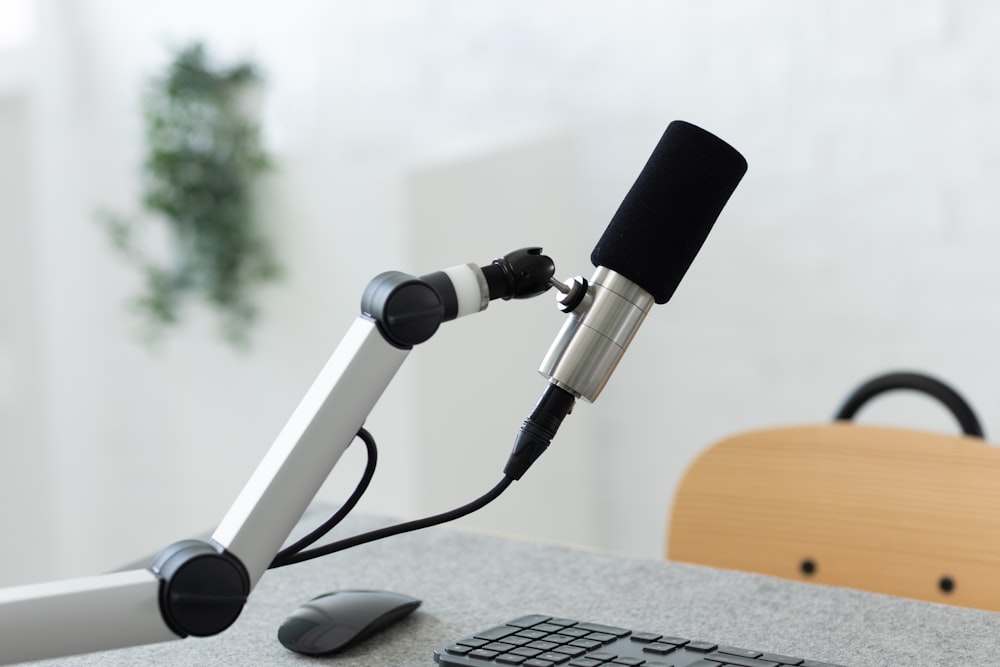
(642,256)
(590,344)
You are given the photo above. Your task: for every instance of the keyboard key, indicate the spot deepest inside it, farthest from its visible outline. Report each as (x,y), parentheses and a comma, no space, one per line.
(535,662)
(659,649)
(781,659)
(498,646)
(564,622)
(603,656)
(585,662)
(498,632)
(645,637)
(746,653)
(602,637)
(531,634)
(733,659)
(611,630)
(543,645)
(528,621)
(571,651)
(631,662)
(575,632)
(458,649)
(678,641)
(516,641)
(482,654)
(547,627)
(472,642)
(588,644)
(554,658)
(703,646)
(508,659)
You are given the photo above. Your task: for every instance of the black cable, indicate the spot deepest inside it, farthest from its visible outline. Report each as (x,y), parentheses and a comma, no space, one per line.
(397,529)
(282,556)
(534,437)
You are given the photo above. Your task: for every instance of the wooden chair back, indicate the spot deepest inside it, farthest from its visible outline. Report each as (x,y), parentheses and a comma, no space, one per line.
(895,511)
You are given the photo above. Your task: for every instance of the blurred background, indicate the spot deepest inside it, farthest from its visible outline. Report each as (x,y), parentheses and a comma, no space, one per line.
(423,134)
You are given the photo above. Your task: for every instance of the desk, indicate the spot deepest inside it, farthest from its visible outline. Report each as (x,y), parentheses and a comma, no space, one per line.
(470,581)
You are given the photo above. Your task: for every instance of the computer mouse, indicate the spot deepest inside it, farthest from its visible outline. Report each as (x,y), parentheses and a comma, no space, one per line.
(335,621)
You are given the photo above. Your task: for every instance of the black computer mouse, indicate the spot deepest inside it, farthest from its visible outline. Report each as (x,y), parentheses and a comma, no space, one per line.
(334,621)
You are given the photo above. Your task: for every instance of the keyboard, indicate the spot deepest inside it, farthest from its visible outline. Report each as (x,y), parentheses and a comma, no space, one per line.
(546,641)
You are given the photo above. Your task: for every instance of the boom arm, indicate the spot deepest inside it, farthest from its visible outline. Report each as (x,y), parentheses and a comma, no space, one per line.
(199,588)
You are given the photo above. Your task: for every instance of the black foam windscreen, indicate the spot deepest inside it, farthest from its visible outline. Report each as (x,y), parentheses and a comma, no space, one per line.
(667,215)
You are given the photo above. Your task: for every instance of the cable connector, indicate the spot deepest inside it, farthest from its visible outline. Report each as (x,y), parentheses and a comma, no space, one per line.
(538,430)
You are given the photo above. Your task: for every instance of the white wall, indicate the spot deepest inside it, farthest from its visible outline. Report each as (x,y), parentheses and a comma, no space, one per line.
(479,371)
(862,239)
(23,471)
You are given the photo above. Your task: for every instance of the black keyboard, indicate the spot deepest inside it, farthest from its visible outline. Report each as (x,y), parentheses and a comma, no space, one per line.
(544,641)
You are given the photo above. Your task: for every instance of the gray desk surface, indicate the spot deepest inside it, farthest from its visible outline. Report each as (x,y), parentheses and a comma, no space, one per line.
(469,582)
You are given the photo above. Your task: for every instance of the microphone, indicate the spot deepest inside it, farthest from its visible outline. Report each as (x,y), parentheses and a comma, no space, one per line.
(640,259)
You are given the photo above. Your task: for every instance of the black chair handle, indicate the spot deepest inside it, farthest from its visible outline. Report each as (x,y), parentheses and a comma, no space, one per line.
(917,382)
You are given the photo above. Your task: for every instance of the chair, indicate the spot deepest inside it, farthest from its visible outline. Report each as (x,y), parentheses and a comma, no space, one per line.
(894,511)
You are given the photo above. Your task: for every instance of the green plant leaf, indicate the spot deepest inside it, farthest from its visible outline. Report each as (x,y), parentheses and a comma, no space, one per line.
(203,158)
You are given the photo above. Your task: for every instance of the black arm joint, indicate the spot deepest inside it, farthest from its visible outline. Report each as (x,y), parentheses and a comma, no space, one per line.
(202,587)
(406,309)
(441,283)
